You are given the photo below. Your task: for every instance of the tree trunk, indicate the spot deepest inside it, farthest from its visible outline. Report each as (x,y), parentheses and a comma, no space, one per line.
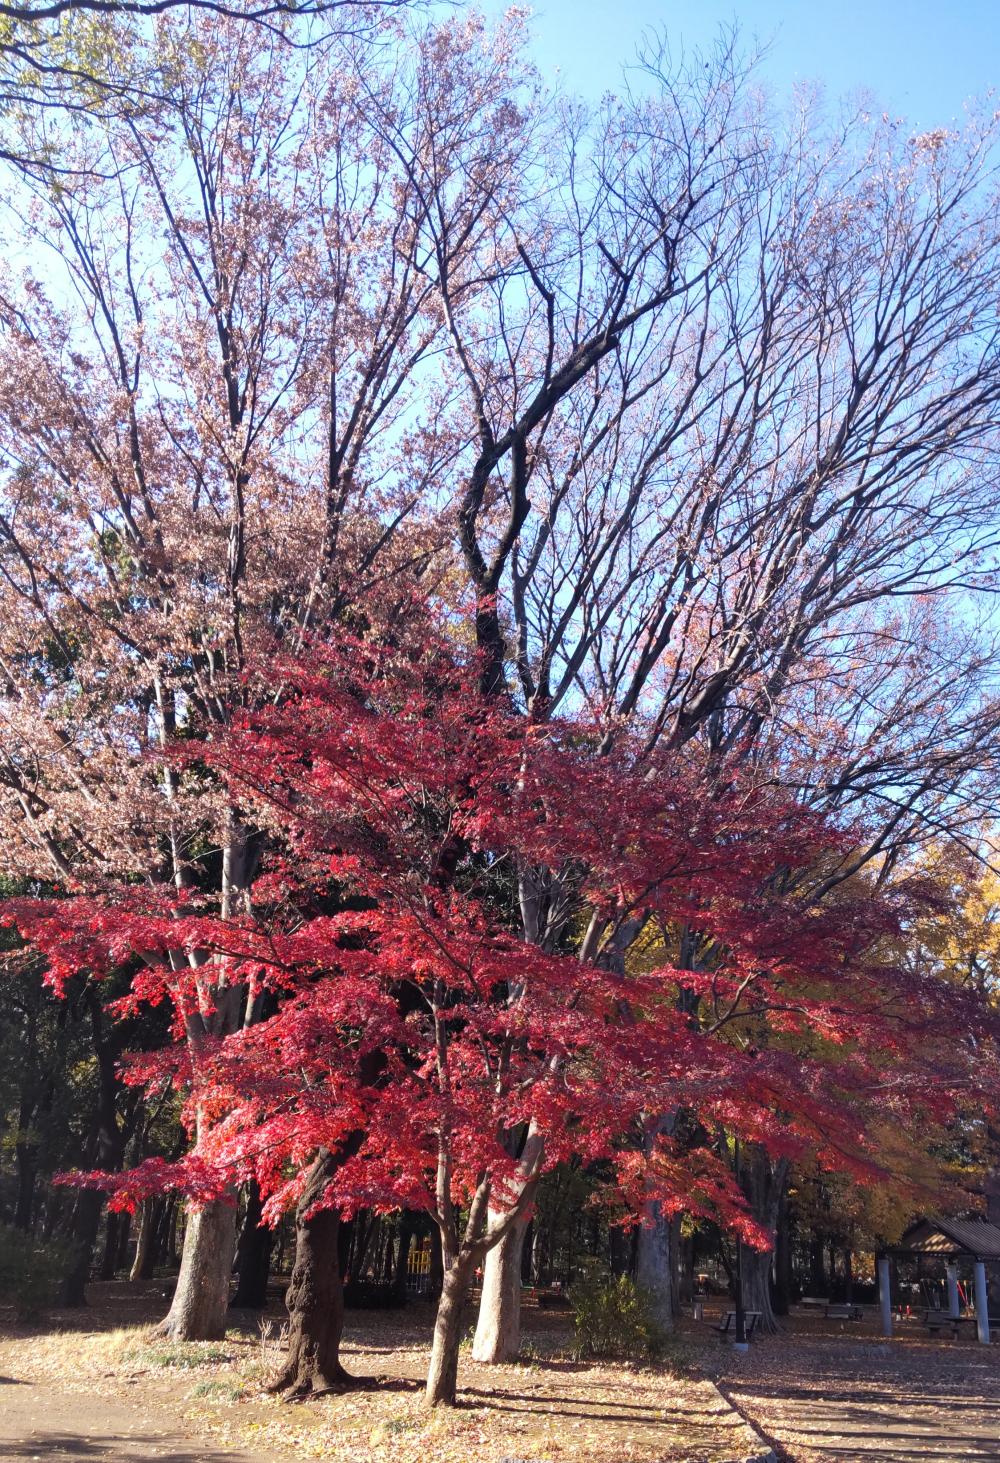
(110,1139)
(436,1275)
(817,1274)
(498,1328)
(764,1186)
(685,1269)
(315,1297)
(201,1297)
(170,1256)
(145,1241)
(757,1286)
(25,1156)
(655,1253)
(783,1277)
(111,1223)
(253,1256)
(654,1270)
(124,1235)
(401,1271)
(442,1375)
(84,1232)
(675,1263)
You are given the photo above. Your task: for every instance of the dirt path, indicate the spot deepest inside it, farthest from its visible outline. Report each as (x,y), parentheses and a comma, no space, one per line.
(39,1422)
(826,1401)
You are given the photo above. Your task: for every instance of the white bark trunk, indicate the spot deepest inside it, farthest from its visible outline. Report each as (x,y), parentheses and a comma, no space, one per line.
(498,1329)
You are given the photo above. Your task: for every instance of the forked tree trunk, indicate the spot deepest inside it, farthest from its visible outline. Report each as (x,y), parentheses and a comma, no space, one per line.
(201,1298)
(315,1298)
(764,1186)
(442,1375)
(654,1270)
(498,1328)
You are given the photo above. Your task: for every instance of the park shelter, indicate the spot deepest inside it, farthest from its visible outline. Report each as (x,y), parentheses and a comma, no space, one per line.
(954,1241)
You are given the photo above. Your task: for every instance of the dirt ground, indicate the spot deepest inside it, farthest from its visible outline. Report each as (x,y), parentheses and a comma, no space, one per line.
(99,1385)
(840,1393)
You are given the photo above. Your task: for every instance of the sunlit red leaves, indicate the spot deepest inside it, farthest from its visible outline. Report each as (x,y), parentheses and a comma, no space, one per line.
(410,1013)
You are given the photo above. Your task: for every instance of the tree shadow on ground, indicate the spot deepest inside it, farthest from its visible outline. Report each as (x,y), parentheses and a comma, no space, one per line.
(112,1445)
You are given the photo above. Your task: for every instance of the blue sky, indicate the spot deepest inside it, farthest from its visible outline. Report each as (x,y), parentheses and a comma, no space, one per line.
(920,58)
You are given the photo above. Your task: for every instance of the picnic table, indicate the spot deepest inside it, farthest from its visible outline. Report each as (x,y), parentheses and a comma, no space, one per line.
(938,1320)
(728,1326)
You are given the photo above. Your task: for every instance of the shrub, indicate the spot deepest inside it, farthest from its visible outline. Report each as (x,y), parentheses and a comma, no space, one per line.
(612,1317)
(32,1272)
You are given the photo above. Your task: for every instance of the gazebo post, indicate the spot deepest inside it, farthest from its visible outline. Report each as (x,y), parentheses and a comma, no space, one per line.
(884,1296)
(951,1270)
(982,1304)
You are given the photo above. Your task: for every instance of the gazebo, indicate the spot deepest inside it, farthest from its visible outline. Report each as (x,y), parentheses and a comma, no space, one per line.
(951,1240)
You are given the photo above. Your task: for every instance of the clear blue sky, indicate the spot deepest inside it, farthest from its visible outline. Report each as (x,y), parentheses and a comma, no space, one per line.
(920,58)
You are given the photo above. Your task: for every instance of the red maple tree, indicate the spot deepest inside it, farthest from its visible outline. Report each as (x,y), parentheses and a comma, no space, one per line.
(423,1053)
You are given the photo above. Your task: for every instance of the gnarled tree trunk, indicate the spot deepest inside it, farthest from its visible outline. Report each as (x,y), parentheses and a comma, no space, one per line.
(315,1298)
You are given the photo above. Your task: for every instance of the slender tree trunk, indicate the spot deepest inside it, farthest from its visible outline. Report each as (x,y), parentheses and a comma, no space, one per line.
(253,1256)
(170,1255)
(675,1263)
(442,1375)
(25,1156)
(402,1262)
(111,1227)
(315,1298)
(783,1278)
(685,1269)
(436,1275)
(124,1235)
(498,1328)
(654,1268)
(201,1297)
(145,1243)
(817,1274)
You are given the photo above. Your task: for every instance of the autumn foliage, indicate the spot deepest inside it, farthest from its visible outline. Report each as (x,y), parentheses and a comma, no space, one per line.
(413,1018)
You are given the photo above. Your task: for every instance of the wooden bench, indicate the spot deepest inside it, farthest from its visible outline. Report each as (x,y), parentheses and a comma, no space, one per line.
(841,1312)
(728,1327)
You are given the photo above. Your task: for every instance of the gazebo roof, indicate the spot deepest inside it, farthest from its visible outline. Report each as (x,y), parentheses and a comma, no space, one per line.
(951,1237)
